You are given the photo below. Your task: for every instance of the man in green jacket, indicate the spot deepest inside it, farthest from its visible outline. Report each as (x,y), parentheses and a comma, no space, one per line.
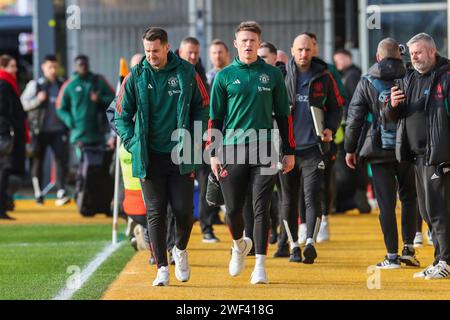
(243,99)
(82,102)
(159,104)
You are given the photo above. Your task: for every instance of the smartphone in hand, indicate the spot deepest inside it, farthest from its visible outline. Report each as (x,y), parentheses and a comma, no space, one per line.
(399,84)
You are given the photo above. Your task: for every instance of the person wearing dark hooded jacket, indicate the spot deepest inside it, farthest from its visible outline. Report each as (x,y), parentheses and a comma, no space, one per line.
(12,120)
(420,103)
(367,138)
(309,83)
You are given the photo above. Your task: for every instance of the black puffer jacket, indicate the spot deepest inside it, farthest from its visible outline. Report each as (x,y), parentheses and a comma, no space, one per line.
(12,116)
(363,133)
(436,111)
(350,78)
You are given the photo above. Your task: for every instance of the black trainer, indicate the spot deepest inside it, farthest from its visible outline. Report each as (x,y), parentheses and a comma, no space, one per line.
(389,263)
(4,216)
(40,200)
(282,252)
(408,257)
(210,237)
(310,254)
(296,255)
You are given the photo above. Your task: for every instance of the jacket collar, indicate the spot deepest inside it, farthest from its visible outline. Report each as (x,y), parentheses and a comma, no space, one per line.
(238,63)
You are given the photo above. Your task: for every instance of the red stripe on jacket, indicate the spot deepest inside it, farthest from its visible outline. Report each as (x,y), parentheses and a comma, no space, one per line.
(61,93)
(292,143)
(209,141)
(339,98)
(203,91)
(121,94)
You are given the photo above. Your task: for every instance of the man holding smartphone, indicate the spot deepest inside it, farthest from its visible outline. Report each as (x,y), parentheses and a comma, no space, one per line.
(423,137)
(374,142)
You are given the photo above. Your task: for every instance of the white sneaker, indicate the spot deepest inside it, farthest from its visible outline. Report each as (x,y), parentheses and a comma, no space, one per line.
(441,271)
(425,272)
(139,233)
(259,276)
(237,262)
(182,269)
(302,234)
(418,240)
(162,277)
(429,238)
(324,232)
(61,198)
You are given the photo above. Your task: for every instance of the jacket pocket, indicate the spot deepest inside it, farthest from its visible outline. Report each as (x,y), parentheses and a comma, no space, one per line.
(369,142)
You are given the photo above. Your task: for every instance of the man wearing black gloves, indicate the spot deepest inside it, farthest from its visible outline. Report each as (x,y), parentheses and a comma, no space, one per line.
(423,137)
(376,136)
(243,98)
(309,83)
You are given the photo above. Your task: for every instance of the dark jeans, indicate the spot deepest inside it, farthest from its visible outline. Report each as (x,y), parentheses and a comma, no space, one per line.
(165,185)
(58,142)
(434,205)
(387,179)
(307,176)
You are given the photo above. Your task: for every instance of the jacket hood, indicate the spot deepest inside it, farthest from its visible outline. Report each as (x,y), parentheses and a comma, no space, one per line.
(173,61)
(238,63)
(388,69)
(442,64)
(317,66)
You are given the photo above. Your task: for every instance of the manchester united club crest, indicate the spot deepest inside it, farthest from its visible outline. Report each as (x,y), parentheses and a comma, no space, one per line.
(318,86)
(173,82)
(264,78)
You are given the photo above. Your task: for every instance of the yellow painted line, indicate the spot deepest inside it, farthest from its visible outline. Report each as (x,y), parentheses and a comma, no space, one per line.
(340,272)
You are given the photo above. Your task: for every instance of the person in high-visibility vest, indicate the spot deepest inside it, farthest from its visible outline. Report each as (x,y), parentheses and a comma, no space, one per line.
(133,203)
